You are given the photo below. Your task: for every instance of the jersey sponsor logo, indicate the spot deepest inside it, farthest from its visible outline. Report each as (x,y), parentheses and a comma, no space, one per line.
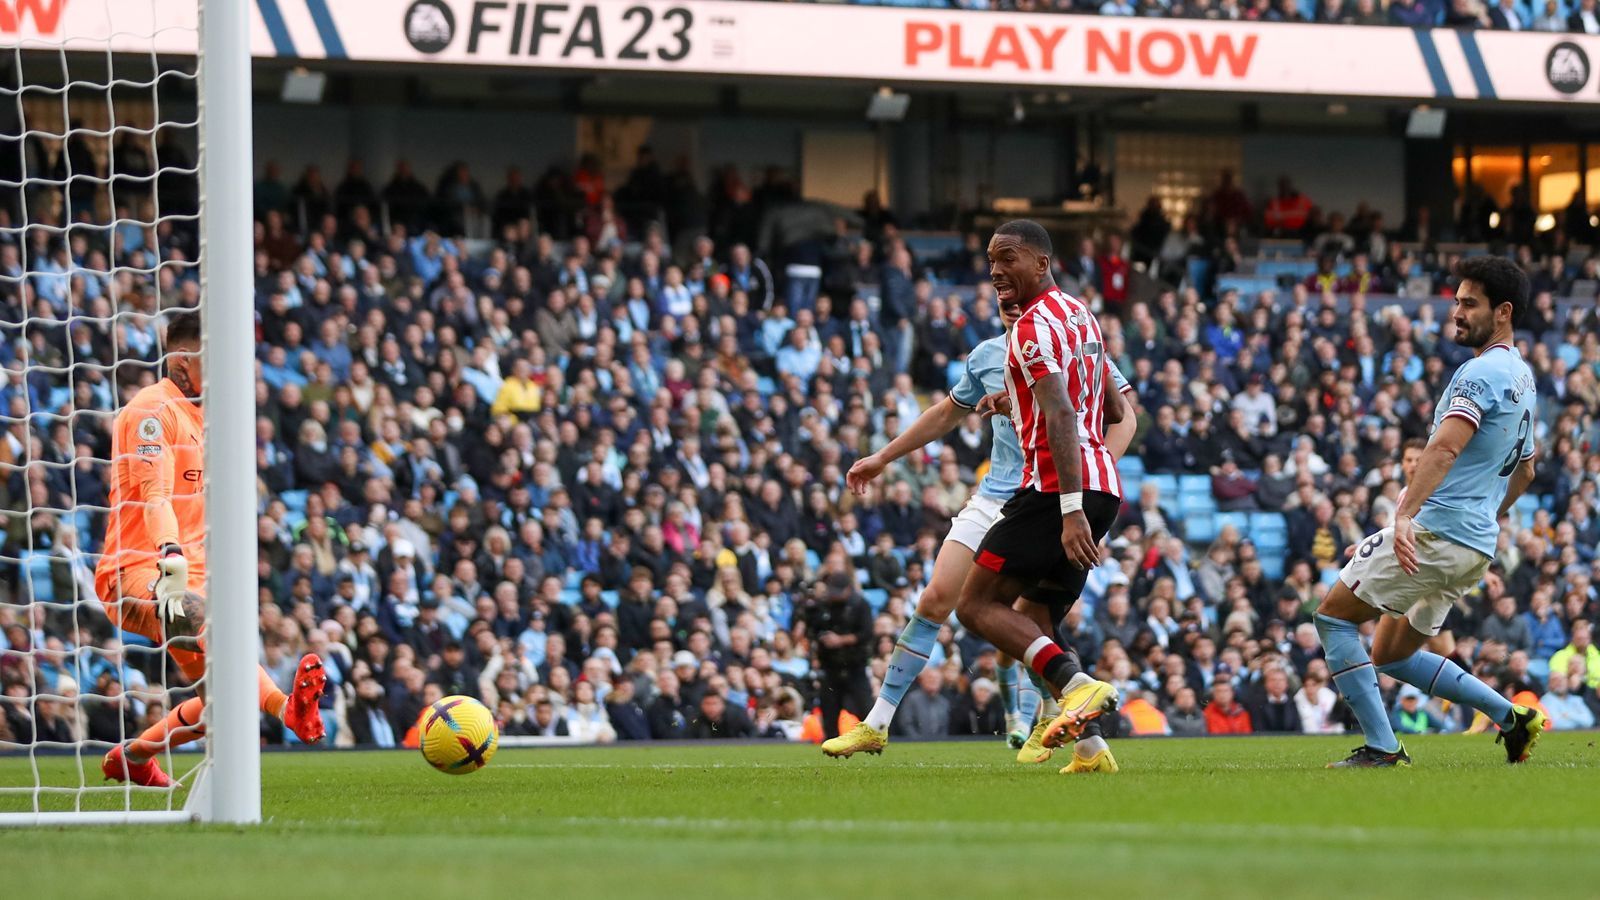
(150,429)
(191,475)
(1030,351)
(148,450)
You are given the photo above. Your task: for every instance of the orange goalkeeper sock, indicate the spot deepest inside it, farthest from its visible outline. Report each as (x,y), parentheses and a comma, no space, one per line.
(273,701)
(180,726)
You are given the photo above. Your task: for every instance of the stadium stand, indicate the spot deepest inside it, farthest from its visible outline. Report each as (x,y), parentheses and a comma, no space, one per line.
(608,442)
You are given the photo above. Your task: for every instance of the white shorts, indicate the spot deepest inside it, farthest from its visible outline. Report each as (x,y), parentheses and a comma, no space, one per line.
(974,521)
(1446,571)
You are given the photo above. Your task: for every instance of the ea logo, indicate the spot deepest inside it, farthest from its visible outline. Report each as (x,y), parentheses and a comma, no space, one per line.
(1030,350)
(1567,67)
(430,25)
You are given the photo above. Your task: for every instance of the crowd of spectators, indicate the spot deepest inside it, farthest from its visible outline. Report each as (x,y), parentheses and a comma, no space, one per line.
(591,471)
(1579,17)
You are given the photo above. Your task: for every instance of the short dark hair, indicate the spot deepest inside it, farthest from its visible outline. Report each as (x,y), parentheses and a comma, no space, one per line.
(1502,281)
(1030,233)
(1415,443)
(183,327)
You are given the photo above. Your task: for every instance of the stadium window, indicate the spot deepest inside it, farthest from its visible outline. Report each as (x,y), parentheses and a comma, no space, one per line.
(1554,170)
(1495,169)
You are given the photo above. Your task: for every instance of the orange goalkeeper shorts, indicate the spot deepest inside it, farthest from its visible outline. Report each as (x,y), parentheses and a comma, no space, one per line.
(128,595)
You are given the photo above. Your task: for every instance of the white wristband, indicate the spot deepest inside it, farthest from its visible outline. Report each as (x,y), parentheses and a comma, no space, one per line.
(1071,503)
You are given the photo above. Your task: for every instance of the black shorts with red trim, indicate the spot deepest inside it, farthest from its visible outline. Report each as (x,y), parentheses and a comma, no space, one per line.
(1026,541)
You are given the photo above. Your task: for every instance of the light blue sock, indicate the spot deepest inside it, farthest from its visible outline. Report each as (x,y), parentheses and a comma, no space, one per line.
(910,655)
(1357,681)
(1008,687)
(1043,692)
(1442,678)
(1027,699)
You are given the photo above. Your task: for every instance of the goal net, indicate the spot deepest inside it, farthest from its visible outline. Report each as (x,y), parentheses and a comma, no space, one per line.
(124,191)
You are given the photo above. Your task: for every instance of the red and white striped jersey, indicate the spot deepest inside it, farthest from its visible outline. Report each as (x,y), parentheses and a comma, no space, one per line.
(1058,334)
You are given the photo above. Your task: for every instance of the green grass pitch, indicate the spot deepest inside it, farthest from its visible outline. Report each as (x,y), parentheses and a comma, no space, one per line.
(1240,817)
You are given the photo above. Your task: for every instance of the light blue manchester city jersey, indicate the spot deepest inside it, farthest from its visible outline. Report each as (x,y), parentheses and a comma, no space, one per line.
(986,374)
(1494,391)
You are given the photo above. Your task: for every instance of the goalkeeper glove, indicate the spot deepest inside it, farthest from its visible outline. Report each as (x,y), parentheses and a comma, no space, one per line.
(172,583)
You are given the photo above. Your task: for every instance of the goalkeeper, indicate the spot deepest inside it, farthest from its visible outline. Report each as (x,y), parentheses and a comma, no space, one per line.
(154,564)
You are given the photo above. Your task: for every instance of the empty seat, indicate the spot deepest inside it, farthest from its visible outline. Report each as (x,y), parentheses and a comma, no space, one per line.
(1238,520)
(1194,484)
(294,500)
(876,598)
(1166,484)
(1272,566)
(1192,505)
(36,565)
(1131,467)
(1199,529)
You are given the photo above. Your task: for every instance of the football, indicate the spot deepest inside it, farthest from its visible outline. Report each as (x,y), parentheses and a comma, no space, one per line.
(458,735)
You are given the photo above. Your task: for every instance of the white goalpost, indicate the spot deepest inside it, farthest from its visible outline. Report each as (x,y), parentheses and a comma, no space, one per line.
(90,264)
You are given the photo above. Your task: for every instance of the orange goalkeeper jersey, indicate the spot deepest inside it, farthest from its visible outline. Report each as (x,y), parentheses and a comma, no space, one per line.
(157,479)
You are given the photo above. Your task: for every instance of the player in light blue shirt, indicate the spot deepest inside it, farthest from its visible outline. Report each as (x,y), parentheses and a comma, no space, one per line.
(1476,465)
(984,376)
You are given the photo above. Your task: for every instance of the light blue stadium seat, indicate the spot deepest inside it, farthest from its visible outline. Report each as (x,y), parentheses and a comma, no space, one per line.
(609,598)
(1192,505)
(1329,576)
(1201,529)
(294,519)
(37,565)
(449,499)
(1194,484)
(1200,270)
(1528,502)
(812,559)
(1272,566)
(1270,541)
(1238,520)
(765,386)
(1278,248)
(1131,467)
(570,596)
(876,598)
(294,500)
(573,580)
(1267,521)
(954,371)
(1547,501)
(1166,484)
(59,398)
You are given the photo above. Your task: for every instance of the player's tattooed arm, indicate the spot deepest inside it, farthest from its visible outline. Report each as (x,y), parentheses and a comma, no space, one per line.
(1061,432)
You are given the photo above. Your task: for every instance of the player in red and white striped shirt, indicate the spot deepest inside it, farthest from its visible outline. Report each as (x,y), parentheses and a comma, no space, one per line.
(1058,334)
(1056,378)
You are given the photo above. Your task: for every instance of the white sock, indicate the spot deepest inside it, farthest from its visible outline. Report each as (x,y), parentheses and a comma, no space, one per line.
(1078,680)
(882,714)
(1049,707)
(1089,746)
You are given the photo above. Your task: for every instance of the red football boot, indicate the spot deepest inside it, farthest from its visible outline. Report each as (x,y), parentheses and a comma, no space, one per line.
(301,713)
(119,768)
